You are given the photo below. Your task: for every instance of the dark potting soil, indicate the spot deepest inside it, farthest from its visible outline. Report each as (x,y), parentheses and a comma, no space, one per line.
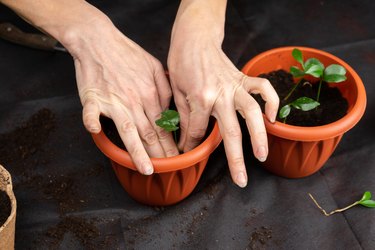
(332,105)
(5,207)
(111,132)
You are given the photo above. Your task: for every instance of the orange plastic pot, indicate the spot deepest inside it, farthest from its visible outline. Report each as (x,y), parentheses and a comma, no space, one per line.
(296,151)
(174,178)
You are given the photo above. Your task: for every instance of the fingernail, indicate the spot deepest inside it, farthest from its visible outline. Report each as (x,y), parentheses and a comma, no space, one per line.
(273,117)
(241,180)
(147,169)
(262,153)
(95,130)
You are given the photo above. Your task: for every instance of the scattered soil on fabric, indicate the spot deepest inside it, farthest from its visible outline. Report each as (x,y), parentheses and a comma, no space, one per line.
(332,105)
(82,229)
(5,207)
(259,237)
(23,151)
(20,148)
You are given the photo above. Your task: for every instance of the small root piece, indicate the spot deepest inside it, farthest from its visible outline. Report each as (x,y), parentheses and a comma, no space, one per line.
(334,211)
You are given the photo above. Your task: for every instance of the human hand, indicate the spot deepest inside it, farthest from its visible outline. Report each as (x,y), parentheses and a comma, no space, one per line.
(117,78)
(205,82)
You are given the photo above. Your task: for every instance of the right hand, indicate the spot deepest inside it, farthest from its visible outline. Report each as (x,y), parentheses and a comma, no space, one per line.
(117,78)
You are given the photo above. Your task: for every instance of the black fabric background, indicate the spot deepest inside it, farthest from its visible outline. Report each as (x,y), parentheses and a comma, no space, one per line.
(270,213)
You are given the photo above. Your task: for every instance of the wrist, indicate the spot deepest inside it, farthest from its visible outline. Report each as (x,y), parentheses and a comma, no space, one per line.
(200,19)
(71,22)
(85,24)
(76,36)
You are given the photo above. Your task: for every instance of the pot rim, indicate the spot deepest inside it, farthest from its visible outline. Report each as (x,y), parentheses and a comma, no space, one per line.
(323,132)
(161,165)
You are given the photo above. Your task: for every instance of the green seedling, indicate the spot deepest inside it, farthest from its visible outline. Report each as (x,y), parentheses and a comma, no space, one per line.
(169,121)
(302,103)
(364,201)
(334,73)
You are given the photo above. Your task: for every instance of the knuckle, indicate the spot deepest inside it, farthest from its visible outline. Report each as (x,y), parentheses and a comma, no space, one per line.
(238,162)
(253,108)
(89,102)
(171,151)
(204,99)
(197,134)
(150,95)
(265,81)
(163,135)
(135,152)
(150,137)
(127,126)
(233,132)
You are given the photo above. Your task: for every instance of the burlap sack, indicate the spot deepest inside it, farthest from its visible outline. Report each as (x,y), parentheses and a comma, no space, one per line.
(7,230)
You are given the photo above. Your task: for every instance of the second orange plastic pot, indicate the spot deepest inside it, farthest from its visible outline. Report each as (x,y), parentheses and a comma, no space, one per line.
(301,151)
(174,178)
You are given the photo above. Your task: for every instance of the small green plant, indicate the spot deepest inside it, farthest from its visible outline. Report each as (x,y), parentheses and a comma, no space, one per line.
(334,73)
(169,121)
(364,201)
(302,103)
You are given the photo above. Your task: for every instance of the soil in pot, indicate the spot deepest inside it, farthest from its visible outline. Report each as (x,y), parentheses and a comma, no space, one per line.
(5,207)
(333,105)
(111,131)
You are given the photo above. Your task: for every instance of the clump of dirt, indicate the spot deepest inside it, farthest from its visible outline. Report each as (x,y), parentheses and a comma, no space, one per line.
(259,237)
(5,207)
(333,105)
(84,230)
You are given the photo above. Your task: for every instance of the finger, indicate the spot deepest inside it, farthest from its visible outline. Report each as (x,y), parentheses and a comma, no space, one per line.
(232,138)
(129,135)
(90,115)
(165,139)
(198,122)
(184,110)
(263,87)
(254,121)
(147,133)
(163,87)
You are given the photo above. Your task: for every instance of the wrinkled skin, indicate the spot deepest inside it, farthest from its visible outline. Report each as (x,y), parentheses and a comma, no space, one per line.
(118,79)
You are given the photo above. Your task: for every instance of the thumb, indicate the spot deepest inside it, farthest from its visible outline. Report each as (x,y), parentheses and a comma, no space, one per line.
(90,116)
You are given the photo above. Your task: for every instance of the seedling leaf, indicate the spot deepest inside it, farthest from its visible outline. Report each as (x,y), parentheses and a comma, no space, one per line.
(368,203)
(334,78)
(297,54)
(284,111)
(366,196)
(334,73)
(305,103)
(314,67)
(296,72)
(169,120)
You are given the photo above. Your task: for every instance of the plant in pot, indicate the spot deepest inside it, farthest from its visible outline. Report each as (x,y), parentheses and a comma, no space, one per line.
(304,137)
(174,178)
(8,207)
